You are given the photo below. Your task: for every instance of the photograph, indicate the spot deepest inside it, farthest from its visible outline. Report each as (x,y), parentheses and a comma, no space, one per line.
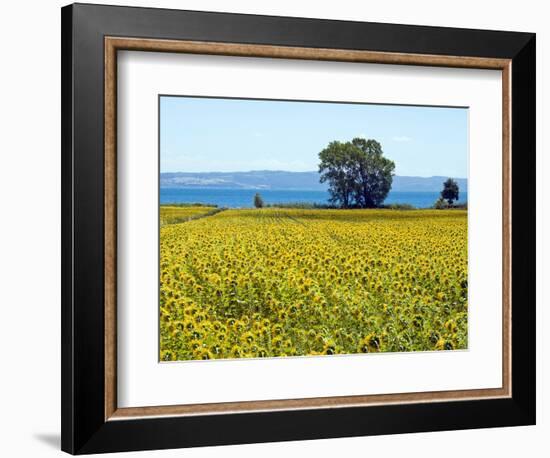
(310,228)
(277,226)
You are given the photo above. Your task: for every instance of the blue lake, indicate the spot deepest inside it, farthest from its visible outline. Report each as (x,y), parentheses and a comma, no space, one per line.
(243,198)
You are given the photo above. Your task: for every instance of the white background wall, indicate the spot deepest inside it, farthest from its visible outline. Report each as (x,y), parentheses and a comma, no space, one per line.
(30,226)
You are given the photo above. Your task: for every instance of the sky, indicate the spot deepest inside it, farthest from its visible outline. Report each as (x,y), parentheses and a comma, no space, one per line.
(230,135)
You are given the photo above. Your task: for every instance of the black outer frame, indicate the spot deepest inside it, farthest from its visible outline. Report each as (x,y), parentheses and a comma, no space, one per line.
(84,429)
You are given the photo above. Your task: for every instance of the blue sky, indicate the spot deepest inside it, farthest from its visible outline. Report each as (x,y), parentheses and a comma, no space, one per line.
(228,135)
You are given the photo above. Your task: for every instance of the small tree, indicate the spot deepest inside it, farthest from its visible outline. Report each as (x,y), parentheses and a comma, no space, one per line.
(258,201)
(450,191)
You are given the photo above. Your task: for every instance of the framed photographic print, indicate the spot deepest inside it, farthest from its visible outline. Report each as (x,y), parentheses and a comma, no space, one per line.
(284,228)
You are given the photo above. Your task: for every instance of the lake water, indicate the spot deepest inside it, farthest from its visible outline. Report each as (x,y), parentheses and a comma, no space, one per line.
(243,198)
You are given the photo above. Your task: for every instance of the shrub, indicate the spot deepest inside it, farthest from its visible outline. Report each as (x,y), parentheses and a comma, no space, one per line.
(301,205)
(399,207)
(441,204)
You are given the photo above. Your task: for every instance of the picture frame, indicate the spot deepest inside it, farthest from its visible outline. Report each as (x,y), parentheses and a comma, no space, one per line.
(92,35)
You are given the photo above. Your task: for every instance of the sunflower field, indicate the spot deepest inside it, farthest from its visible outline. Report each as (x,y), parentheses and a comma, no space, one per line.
(279,282)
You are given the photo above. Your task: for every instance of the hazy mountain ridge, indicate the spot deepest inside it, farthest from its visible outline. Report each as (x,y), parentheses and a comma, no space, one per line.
(268,179)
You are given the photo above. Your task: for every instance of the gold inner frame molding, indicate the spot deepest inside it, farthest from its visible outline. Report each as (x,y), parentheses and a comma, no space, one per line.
(114,44)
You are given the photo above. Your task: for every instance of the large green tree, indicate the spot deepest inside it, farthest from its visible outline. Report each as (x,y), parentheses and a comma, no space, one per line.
(373,173)
(357,173)
(336,168)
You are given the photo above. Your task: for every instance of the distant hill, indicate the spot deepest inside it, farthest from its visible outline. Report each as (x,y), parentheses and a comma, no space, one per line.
(424,184)
(269,179)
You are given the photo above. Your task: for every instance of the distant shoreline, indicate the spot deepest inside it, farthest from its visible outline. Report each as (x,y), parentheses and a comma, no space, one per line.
(243,198)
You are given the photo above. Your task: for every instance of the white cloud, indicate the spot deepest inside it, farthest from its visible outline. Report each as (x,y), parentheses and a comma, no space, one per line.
(202,163)
(402,139)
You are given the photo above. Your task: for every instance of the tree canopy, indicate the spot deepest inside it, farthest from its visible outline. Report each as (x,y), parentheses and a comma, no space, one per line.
(357,173)
(450,191)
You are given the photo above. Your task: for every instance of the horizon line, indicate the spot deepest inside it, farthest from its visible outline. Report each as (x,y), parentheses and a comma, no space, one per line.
(314,171)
